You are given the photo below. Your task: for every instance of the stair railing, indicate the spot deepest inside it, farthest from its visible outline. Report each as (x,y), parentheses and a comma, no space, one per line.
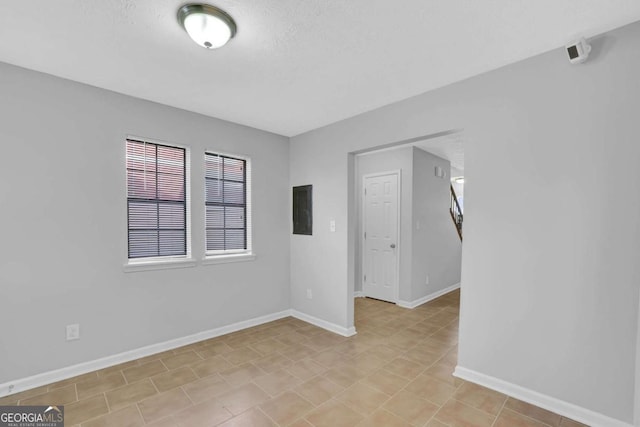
(456,212)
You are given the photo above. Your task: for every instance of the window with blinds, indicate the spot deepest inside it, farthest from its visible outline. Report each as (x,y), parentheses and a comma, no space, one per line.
(227,219)
(156,200)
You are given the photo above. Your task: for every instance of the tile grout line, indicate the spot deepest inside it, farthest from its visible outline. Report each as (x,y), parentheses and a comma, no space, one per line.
(533,419)
(257,408)
(188,397)
(144,422)
(500,412)
(304,417)
(104,394)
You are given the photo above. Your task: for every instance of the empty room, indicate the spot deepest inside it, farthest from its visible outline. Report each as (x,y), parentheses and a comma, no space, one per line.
(320,213)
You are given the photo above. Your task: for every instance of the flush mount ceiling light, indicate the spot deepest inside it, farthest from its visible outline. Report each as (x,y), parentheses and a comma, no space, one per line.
(207,25)
(459,180)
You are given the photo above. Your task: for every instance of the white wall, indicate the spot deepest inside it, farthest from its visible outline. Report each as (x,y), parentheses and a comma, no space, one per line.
(63,227)
(550,287)
(437,248)
(385,161)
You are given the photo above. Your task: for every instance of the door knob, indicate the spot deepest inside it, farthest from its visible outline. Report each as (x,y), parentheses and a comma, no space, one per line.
(393,246)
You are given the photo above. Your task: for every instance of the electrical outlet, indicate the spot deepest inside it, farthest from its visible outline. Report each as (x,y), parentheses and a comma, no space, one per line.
(426,282)
(332,225)
(73,332)
(309,294)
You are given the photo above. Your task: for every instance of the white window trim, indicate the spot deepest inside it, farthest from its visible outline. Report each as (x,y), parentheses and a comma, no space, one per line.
(227,258)
(159,263)
(168,262)
(234,255)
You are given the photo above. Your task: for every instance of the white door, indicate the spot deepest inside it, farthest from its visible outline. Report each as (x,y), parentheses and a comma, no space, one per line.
(380,226)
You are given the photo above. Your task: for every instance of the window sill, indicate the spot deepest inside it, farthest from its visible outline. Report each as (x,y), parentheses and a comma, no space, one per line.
(223,259)
(159,264)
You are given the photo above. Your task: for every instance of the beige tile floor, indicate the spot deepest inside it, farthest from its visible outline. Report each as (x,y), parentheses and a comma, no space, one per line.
(395,372)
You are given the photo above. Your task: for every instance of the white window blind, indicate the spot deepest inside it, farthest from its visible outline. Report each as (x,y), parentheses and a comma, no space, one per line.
(226,204)
(156,200)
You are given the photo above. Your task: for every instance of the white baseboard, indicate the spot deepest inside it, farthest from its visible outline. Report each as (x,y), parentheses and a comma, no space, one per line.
(331,327)
(420,301)
(358,294)
(38,380)
(637,409)
(569,410)
(637,391)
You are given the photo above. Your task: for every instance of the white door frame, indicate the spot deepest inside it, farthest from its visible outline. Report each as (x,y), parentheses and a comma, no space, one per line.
(398,173)
(637,398)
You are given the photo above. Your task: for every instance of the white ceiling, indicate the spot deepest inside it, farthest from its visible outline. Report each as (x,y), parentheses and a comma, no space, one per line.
(450,147)
(294,65)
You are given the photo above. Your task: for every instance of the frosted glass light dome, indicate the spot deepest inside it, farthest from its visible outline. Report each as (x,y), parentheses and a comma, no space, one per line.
(207,25)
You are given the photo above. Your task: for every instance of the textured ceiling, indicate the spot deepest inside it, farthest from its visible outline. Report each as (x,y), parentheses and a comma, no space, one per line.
(294,65)
(450,147)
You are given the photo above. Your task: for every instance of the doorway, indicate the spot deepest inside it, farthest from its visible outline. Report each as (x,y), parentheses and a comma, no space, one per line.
(426,261)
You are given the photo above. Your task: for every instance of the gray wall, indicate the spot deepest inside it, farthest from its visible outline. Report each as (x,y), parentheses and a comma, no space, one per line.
(64,238)
(391,160)
(550,285)
(437,248)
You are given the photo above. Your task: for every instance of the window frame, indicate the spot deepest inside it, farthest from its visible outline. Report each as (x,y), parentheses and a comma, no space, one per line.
(168,261)
(230,255)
